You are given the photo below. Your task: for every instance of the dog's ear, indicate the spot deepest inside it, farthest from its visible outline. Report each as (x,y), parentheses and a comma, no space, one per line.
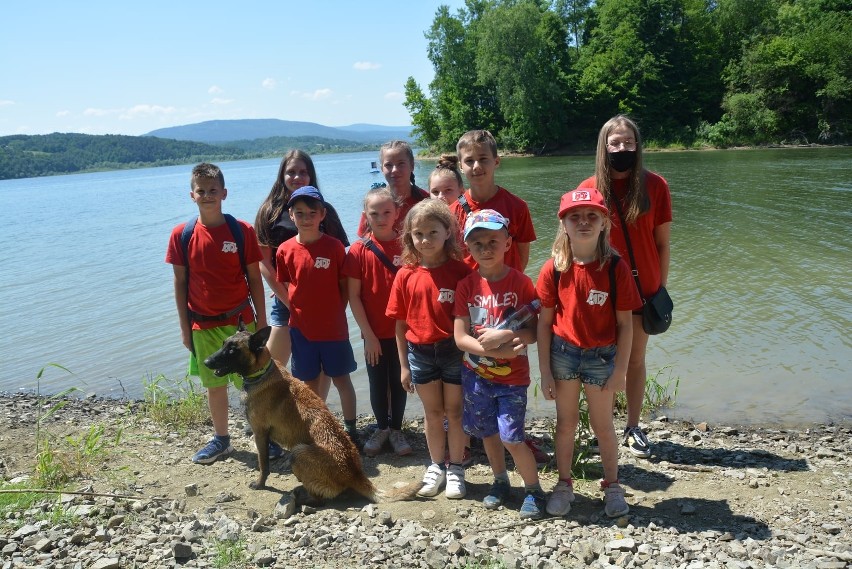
(241,326)
(258,339)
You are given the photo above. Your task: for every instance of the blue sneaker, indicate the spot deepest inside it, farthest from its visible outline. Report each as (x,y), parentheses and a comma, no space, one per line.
(497,494)
(275,451)
(216,448)
(533,507)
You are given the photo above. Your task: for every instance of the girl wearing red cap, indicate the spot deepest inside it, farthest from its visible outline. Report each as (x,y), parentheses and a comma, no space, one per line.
(585,331)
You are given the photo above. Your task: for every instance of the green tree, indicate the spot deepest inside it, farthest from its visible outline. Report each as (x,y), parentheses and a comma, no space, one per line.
(423,116)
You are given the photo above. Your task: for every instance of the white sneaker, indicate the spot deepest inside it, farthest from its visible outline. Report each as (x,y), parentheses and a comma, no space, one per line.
(376,441)
(559,503)
(399,444)
(432,481)
(614,503)
(455,482)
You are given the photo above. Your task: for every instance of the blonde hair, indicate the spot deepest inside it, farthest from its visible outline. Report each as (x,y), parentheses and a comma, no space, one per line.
(637,201)
(563,254)
(379,192)
(474,137)
(435,210)
(447,166)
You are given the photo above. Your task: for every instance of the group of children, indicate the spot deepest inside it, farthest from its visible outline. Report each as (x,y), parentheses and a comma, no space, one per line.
(433,285)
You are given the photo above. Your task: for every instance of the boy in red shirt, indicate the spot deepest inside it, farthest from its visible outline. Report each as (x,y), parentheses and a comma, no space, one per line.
(210,303)
(310,266)
(496,370)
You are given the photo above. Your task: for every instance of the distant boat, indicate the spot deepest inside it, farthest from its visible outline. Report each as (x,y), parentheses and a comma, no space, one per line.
(374,168)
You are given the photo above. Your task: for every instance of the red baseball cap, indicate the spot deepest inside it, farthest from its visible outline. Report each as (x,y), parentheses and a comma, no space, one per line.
(582,197)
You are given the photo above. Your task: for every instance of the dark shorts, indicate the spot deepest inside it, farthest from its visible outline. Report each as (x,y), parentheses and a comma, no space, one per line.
(280,314)
(310,358)
(491,408)
(431,362)
(592,365)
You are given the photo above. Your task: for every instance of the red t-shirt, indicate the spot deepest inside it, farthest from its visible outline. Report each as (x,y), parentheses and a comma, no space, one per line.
(376,282)
(314,272)
(417,195)
(217,283)
(425,298)
(641,232)
(514,209)
(584,315)
(487,304)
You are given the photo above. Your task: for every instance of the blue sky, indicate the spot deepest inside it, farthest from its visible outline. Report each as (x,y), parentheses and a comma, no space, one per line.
(101,67)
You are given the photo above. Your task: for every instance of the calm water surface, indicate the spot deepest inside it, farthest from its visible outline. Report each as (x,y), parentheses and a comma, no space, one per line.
(760,274)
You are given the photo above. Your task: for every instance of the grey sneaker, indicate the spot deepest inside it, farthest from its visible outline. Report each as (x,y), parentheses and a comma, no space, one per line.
(432,481)
(636,441)
(498,494)
(398,443)
(615,505)
(377,440)
(216,448)
(559,503)
(455,482)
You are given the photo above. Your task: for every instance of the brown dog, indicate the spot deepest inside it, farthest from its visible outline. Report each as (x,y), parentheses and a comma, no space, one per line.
(283,409)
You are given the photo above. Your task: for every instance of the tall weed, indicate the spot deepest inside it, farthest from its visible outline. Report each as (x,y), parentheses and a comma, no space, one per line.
(180,404)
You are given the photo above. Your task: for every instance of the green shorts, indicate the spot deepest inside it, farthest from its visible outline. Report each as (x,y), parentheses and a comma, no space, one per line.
(207,342)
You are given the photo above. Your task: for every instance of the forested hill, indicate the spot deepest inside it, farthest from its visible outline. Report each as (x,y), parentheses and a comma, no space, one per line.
(26,156)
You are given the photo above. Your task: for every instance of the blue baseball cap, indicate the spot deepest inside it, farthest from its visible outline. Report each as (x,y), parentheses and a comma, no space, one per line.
(305,192)
(484,219)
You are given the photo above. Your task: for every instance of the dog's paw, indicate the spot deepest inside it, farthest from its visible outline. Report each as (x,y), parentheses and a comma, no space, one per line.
(257,485)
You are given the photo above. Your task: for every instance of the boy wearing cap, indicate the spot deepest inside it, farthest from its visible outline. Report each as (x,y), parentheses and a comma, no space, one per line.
(496,370)
(310,266)
(219,293)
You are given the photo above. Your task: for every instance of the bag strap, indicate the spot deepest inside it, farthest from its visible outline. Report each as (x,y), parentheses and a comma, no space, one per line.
(626,232)
(463,203)
(369,244)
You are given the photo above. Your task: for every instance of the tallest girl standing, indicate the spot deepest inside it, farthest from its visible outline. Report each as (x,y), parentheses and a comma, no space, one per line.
(640,202)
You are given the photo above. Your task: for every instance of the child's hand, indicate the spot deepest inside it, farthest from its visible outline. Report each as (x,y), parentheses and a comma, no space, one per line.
(491,339)
(616,382)
(186,338)
(405,379)
(548,387)
(510,350)
(372,350)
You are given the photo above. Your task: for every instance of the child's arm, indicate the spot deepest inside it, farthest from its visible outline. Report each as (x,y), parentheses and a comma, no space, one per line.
(372,347)
(181,303)
(402,352)
(491,338)
(623,341)
(523,255)
(269,275)
(258,294)
(545,335)
(465,342)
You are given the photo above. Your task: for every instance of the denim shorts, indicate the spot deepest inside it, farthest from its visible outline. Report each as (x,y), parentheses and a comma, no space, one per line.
(491,408)
(334,357)
(591,365)
(280,314)
(430,362)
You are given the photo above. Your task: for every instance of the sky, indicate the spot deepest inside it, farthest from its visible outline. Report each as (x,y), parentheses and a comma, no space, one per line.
(108,67)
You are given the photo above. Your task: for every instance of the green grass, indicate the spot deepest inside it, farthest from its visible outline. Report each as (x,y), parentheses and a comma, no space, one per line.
(179,404)
(229,553)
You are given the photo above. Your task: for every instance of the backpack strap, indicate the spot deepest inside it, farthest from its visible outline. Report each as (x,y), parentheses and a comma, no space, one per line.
(369,244)
(465,206)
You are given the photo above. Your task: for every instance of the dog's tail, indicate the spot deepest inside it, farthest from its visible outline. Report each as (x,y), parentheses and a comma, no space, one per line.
(401,494)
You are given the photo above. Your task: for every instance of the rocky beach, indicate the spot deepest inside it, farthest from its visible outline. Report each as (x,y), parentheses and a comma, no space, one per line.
(709,496)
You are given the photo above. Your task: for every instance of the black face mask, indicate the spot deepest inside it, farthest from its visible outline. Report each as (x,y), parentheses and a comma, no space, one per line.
(622,161)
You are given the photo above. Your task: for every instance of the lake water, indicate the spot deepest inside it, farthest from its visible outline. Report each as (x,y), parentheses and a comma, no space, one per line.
(760,277)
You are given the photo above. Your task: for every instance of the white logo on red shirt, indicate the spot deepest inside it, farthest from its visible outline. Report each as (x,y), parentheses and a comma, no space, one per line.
(446,295)
(229,247)
(322,263)
(597,297)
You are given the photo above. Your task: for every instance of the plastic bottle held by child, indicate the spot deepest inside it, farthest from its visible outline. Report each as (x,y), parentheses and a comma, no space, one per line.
(520,317)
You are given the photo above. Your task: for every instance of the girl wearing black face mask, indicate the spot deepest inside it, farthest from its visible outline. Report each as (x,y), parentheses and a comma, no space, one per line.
(640,201)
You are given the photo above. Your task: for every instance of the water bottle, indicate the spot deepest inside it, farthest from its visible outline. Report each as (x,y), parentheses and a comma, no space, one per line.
(517,319)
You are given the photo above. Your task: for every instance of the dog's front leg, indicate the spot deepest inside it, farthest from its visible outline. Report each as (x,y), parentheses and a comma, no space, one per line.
(261,440)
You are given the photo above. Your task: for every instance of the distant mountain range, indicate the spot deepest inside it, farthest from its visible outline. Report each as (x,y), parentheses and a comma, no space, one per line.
(224,131)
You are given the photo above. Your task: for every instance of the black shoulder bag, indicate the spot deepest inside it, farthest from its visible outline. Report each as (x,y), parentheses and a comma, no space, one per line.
(657,310)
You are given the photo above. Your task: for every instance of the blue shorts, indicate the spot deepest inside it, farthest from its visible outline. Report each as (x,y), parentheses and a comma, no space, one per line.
(334,357)
(431,362)
(491,408)
(280,314)
(592,366)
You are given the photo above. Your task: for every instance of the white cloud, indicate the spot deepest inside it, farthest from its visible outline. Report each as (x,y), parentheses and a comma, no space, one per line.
(394,96)
(63,113)
(6,102)
(366,66)
(91,112)
(215,89)
(220,101)
(317,95)
(146,111)
(269,83)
